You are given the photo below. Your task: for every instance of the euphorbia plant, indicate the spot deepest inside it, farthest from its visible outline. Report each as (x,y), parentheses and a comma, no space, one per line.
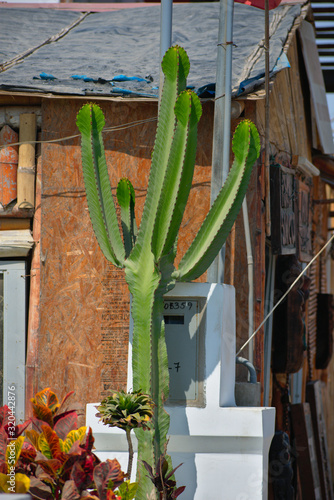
(127,411)
(148,255)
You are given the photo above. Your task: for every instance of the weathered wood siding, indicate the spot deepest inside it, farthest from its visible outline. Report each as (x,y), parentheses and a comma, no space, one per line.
(289,133)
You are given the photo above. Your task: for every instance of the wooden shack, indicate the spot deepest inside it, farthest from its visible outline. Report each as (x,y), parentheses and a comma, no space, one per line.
(77,321)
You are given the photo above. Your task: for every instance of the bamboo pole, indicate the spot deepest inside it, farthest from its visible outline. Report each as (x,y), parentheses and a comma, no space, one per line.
(26,166)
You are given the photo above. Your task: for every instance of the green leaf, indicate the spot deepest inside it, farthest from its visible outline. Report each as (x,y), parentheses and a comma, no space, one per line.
(72,437)
(126,200)
(220,219)
(127,490)
(90,122)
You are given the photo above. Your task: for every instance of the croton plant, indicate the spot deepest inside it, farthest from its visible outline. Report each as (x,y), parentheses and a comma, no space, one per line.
(53,459)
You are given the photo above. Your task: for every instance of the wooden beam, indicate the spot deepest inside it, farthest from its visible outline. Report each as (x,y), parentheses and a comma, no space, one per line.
(12,224)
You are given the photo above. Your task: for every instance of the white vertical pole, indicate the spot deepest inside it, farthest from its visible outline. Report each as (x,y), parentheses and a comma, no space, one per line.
(166,19)
(222,120)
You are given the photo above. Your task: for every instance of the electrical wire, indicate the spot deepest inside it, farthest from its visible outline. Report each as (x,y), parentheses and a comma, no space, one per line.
(69,137)
(286,293)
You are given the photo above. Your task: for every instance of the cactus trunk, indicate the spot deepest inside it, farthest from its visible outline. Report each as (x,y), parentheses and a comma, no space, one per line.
(149,358)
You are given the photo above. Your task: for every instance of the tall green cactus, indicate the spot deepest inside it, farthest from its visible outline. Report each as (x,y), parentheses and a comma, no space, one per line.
(148,255)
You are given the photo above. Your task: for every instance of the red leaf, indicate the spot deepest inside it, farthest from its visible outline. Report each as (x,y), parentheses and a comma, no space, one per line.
(67,466)
(178,491)
(3,468)
(82,473)
(27,455)
(4,411)
(39,490)
(65,423)
(260,4)
(19,429)
(65,398)
(88,446)
(104,472)
(70,491)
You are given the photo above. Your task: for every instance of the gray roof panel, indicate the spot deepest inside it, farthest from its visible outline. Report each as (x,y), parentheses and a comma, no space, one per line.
(126,42)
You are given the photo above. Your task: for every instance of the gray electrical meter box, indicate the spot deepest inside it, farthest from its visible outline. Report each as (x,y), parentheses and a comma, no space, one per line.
(184,330)
(200,337)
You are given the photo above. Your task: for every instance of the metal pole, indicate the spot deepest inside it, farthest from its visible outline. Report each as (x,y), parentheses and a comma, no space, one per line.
(267,115)
(222,120)
(166,19)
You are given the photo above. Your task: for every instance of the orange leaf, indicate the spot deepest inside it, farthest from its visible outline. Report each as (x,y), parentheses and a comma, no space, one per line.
(46,398)
(42,413)
(54,444)
(33,436)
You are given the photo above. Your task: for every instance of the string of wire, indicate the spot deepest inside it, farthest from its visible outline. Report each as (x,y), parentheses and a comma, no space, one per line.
(116,128)
(286,293)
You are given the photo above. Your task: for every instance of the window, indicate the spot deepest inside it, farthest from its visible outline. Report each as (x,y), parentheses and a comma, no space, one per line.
(13,334)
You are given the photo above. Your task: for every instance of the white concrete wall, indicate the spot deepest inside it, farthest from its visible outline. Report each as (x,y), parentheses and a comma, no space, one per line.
(224,449)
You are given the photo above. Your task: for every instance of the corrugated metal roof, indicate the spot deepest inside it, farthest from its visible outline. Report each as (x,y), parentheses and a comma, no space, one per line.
(83,54)
(323,13)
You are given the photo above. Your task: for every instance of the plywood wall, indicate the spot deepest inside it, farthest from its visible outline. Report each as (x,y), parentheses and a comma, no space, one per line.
(84,302)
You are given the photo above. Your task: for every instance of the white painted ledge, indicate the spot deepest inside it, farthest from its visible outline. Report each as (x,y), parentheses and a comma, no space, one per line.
(227,460)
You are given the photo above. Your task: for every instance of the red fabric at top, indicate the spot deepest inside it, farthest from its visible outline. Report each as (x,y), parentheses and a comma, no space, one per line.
(260,4)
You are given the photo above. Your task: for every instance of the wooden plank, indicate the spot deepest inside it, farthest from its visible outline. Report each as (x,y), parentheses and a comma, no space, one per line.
(32,361)
(276,134)
(279,106)
(10,224)
(289,109)
(314,398)
(298,102)
(305,449)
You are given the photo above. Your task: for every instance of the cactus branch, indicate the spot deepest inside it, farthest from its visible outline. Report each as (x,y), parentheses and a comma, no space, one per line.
(90,122)
(220,219)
